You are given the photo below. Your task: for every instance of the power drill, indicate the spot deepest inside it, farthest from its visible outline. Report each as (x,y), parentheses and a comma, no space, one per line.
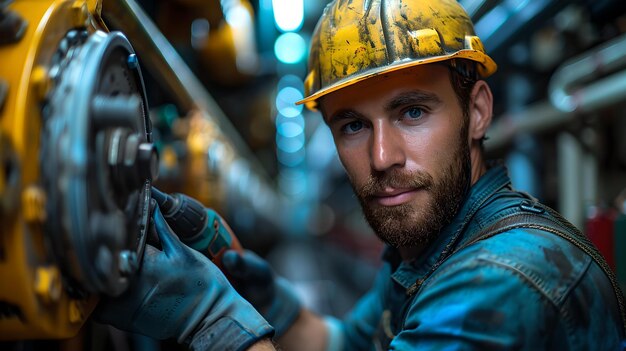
(198,227)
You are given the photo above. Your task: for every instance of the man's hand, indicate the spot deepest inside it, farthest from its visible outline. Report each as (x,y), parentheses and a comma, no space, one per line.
(256,281)
(180,294)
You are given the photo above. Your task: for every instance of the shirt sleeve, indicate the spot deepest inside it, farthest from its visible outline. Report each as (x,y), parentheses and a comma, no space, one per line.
(478,304)
(360,324)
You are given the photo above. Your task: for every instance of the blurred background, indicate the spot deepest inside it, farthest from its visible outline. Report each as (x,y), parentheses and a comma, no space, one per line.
(221,78)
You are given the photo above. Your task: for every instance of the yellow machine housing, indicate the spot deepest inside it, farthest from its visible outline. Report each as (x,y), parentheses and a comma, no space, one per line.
(50,285)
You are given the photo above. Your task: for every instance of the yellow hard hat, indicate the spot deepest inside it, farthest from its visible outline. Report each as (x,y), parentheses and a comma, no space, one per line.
(358,39)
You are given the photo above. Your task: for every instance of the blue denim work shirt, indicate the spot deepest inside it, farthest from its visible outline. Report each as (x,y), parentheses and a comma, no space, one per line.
(523,289)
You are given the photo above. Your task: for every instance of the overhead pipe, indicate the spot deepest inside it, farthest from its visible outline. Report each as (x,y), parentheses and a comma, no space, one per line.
(564,90)
(536,118)
(569,98)
(477,8)
(503,22)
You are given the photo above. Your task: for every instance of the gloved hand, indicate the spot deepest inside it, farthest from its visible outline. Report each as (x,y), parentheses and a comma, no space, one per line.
(271,295)
(180,294)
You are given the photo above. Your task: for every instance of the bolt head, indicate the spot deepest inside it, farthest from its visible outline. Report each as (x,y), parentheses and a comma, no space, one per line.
(128,262)
(80,13)
(132,61)
(104,261)
(48,284)
(40,81)
(76,311)
(148,161)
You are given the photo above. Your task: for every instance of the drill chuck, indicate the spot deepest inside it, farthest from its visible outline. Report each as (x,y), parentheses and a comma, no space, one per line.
(186,216)
(198,227)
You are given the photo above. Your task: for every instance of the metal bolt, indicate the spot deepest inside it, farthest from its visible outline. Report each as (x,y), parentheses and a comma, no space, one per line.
(4,91)
(132,62)
(148,161)
(48,284)
(40,81)
(104,261)
(128,262)
(72,37)
(117,111)
(64,46)
(34,204)
(80,13)
(110,230)
(76,311)
(12,26)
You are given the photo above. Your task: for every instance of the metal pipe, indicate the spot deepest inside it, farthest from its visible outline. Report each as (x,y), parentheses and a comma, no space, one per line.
(536,118)
(568,103)
(543,116)
(507,21)
(564,89)
(570,163)
(477,8)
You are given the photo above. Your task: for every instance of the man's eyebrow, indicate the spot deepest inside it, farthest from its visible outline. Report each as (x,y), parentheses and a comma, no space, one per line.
(412,97)
(343,114)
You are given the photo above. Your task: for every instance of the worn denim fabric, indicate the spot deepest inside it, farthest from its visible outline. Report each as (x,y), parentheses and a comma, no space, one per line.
(523,289)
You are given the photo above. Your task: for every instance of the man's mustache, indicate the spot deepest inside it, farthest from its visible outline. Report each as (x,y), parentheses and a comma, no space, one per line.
(377,183)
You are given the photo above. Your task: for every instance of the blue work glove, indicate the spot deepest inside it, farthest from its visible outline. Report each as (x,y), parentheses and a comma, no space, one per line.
(271,295)
(180,294)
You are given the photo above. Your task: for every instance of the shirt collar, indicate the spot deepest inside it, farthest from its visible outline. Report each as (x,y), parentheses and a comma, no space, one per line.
(408,272)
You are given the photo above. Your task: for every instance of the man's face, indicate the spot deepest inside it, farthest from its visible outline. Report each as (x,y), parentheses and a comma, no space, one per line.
(403,140)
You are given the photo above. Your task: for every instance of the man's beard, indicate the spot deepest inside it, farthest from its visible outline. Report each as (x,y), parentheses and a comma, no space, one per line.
(406,226)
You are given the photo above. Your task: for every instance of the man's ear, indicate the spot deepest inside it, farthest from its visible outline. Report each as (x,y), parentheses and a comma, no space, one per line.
(480,110)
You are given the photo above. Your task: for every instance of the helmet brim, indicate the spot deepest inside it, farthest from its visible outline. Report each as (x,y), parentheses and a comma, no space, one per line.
(485,68)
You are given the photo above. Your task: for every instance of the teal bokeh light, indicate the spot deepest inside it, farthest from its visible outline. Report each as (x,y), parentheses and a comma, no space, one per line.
(290,48)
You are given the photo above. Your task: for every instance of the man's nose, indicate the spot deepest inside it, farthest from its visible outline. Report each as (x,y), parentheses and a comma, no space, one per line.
(387,148)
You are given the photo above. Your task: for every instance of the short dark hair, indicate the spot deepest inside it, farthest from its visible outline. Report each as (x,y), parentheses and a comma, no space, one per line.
(463,76)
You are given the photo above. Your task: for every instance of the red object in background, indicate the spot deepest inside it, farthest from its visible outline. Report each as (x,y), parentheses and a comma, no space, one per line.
(599,229)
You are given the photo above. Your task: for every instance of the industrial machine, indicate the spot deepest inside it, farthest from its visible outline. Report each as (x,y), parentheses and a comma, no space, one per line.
(79,156)
(77,160)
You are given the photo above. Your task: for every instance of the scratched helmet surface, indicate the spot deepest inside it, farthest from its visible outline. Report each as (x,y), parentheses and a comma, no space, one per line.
(357,39)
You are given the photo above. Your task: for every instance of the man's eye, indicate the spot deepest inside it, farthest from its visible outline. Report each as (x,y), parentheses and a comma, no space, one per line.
(352,127)
(413,113)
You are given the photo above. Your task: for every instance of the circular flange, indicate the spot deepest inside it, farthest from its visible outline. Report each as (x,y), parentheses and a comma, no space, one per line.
(94,157)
